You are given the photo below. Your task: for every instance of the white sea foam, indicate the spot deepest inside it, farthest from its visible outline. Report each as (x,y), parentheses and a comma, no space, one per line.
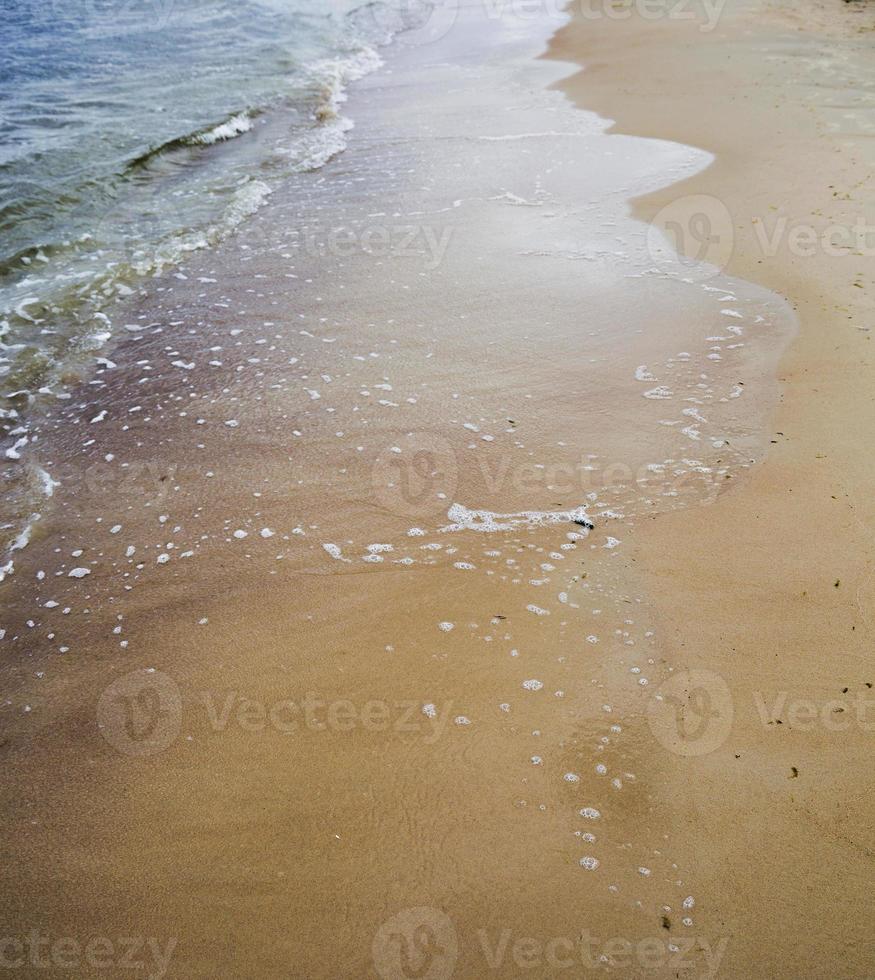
(235,126)
(334,74)
(464,519)
(659,392)
(335,552)
(316,147)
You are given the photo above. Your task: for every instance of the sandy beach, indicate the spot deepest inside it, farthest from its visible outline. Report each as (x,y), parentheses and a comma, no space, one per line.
(784,617)
(465,568)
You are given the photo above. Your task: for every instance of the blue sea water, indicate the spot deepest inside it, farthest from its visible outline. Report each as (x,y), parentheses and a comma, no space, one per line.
(134,131)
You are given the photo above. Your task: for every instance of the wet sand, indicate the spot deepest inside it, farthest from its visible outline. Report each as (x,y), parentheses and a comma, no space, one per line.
(318,722)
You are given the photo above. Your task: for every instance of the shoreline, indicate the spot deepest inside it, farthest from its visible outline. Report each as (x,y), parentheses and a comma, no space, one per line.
(90,318)
(783,618)
(365,687)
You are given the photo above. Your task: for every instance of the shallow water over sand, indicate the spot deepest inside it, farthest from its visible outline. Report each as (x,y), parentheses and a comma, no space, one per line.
(273,678)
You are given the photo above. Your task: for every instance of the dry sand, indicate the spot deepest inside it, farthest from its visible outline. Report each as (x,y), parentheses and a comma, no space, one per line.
(778,821)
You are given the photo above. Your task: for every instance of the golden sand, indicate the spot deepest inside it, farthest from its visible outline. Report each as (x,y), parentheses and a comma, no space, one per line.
(319,761)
